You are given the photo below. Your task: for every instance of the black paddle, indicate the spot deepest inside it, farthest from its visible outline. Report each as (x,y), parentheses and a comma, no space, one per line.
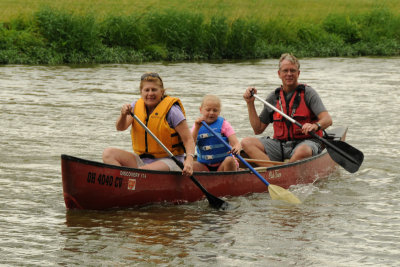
(342,153)
(213,200)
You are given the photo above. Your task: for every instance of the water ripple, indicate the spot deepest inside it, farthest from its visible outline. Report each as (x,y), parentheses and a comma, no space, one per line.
(344,220)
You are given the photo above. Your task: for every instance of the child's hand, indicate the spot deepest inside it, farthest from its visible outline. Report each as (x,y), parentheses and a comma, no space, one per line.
(198,121)
(236,149)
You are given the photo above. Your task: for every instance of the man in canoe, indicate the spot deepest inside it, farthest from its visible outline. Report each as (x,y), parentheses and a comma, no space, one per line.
(165,118)
(299,101)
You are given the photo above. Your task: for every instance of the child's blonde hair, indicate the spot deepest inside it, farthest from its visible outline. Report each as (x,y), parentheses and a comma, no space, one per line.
(212,98)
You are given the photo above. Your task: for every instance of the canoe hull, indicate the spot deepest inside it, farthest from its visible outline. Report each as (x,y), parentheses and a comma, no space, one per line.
(94,185)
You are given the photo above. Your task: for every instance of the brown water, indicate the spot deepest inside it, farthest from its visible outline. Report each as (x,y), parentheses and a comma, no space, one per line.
(344,220)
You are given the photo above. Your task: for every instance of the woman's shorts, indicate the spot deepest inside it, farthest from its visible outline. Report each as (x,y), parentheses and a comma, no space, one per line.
(170,162)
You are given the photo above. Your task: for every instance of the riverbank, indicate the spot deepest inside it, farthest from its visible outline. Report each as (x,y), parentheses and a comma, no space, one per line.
(57,36)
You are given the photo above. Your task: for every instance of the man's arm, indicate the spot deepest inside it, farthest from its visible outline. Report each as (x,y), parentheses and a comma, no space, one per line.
(316,105)
(324,119)
(255,122)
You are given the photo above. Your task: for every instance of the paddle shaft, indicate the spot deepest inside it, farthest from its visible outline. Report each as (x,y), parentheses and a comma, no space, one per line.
(213,200)
(238,156)
(313,134)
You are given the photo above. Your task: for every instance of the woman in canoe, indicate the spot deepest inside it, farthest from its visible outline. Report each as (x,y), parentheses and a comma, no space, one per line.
(212,155)
(165,117)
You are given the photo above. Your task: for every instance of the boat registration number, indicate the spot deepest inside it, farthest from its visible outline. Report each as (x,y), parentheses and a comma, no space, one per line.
(106,180)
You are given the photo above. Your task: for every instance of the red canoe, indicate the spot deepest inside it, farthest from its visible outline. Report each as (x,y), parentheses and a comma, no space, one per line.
(94,185)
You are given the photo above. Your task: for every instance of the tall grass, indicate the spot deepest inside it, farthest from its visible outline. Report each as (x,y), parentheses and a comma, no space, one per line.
(55,36)
(261,10)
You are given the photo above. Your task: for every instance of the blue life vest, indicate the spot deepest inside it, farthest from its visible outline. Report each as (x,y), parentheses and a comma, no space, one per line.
(209,149)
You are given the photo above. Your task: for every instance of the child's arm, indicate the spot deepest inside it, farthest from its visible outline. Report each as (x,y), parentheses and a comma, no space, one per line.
(235,144)
(228,131)
(196,128)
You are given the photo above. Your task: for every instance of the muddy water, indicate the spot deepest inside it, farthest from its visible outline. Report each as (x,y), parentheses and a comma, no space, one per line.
(345,220)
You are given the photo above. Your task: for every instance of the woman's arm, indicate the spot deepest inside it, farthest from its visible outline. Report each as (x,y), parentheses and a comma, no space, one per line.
(125,119)
(187,138)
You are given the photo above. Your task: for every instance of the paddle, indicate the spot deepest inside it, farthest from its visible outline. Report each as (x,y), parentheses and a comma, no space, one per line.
(276,192)
(342,153)
(213,200)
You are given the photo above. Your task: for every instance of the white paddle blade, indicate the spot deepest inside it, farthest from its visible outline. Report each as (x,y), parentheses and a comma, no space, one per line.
(279,193)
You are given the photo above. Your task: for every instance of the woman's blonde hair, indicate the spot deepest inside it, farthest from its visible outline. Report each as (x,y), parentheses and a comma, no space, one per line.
(151,77)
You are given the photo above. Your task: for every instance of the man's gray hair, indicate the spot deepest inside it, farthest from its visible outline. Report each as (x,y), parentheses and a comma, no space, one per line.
(289,57)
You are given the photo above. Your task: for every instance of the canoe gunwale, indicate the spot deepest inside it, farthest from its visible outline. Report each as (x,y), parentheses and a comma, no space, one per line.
(337,133)
(86,184)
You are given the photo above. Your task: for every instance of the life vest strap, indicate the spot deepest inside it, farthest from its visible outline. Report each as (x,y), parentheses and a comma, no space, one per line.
(211,157)
(207,135)
(209,147)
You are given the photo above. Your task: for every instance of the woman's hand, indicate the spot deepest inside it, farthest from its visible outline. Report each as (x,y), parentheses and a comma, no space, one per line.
(125,119)
(126,110)
(188,142)
(188,166)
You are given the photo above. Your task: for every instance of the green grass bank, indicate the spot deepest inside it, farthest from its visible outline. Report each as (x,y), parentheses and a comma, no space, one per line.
(56,35)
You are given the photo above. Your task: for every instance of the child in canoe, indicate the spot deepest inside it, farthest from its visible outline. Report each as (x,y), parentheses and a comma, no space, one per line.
(212,155)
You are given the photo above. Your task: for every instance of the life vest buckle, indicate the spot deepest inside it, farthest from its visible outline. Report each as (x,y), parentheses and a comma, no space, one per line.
(204,135)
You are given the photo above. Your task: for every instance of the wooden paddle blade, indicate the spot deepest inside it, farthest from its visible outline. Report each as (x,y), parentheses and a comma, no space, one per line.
(279,193)
(351,164)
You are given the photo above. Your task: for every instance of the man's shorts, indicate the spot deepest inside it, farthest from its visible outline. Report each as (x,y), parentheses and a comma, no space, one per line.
(274,150)
(170,162)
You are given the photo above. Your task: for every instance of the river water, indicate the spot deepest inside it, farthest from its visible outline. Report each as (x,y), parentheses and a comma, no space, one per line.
(344,220)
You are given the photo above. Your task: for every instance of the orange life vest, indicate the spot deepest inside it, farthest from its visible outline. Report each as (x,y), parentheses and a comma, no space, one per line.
(143,143)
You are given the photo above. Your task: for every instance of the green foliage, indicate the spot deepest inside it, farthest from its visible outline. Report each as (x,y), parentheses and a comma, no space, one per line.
(125,31)
(156,52)
(344,27)
(12,38)
(279,31)
(56,37)
(215,37)
(379,24)
(242,39)
(181,33)
(67,33)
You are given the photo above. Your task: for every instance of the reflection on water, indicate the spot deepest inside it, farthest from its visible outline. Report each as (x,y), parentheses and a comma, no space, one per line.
(153,234)
(344,220)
